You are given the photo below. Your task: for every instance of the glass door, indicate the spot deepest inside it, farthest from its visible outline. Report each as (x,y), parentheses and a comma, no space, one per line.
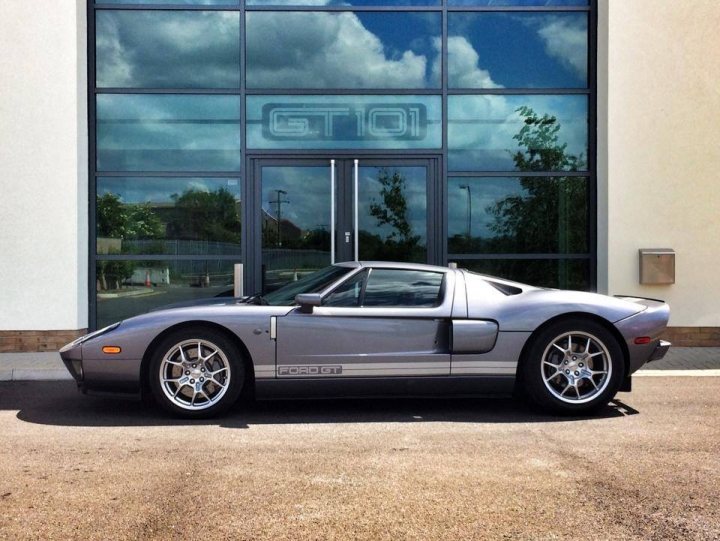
(315,212)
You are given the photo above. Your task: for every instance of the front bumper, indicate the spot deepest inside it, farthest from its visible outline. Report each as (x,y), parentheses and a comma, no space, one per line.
(660,350)
(71,356)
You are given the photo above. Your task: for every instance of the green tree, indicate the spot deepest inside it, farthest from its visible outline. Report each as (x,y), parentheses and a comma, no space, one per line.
(205,216)
(392,210)
(550,215)
(118,220)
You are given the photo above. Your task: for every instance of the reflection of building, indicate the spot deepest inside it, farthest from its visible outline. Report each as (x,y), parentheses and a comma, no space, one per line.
(569,207)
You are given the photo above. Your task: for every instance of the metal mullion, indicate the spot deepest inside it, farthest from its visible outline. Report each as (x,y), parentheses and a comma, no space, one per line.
(442,167)
(341,153)
(199,91)
(163,7)
(169,174)
(534,9)
(518,91)
(341,91)
(545,256)
(92,165)
(515,174)
(245,190)
(165,257)
(592,141)
(317,9)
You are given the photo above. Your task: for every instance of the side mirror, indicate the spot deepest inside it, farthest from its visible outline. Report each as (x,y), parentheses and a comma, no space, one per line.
(307,301)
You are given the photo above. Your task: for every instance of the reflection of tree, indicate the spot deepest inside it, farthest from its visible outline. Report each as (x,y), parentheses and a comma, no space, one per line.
(205,216)
(400,243)
(550,216)
(116,220)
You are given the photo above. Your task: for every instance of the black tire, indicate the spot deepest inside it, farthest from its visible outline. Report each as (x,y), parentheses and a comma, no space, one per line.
(572,382)
(205,387)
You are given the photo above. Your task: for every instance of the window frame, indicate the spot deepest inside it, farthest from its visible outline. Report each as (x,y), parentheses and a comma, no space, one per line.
(243,176)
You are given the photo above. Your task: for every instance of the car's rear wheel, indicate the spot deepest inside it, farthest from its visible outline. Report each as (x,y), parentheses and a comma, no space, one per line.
(573,367)
(196,373)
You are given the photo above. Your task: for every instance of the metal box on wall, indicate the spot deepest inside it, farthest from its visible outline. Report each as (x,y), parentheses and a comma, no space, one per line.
(657,266)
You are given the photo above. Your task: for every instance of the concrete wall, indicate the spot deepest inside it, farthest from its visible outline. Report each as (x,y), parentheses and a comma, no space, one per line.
(660,109)
(43,165)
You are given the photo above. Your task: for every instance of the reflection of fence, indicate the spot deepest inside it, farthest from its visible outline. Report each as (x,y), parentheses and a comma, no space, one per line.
(276,259)
(180,247)
(192,273)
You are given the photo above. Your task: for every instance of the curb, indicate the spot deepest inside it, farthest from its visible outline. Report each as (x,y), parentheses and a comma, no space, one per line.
(699,372)
(29,374)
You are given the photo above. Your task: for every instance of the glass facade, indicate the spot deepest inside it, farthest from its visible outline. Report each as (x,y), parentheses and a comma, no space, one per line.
(217,126)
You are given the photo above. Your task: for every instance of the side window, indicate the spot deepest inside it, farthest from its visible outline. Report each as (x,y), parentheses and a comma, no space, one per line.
(403,288)
(348,293)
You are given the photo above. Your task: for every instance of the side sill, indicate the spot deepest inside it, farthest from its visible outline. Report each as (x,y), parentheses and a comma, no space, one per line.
(384,387)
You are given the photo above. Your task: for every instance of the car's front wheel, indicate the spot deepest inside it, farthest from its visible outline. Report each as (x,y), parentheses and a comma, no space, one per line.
(196,373)
(573,367)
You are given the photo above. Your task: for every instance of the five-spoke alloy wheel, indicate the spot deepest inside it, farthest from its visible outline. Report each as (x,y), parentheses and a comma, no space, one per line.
(196,373)
(573,367)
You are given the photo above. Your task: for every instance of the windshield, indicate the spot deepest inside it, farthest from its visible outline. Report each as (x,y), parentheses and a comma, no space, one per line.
(313,283)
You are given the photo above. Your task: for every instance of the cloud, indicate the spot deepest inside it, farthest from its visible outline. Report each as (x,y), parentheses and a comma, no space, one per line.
(464,69)
(168,49)
(327,50)
(565,38)
(481,128)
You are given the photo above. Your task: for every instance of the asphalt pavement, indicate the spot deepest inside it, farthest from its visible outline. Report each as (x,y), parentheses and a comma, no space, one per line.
(78,467)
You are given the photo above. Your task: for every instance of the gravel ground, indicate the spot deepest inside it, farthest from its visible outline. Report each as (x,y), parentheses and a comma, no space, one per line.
(74,467)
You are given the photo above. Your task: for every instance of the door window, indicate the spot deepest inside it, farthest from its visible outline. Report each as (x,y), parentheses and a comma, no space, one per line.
(403,288)
(348,294)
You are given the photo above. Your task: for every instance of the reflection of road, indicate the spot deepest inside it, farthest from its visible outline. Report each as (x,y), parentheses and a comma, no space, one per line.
(111,310)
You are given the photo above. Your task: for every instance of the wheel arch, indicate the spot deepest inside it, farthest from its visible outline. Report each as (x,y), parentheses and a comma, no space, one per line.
(249,384)
(572,316)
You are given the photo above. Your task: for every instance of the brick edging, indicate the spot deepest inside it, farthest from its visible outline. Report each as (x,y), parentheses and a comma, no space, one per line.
(29,341)
(693,336)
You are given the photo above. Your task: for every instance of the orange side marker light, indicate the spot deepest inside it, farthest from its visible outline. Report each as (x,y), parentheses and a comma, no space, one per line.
(111,350)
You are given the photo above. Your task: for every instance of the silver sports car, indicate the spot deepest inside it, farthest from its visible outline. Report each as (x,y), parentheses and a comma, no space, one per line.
(378,328)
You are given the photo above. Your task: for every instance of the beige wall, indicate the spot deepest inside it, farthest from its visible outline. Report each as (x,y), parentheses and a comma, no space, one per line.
(659,109)
(43,165)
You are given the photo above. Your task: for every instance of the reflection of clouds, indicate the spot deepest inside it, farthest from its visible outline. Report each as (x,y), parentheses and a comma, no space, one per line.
(566,39)
(308,190)
(160,190)
(196,132)
(168,49)
(483,127)
(486,191)
(464,69)
(330,50)
(562,36)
